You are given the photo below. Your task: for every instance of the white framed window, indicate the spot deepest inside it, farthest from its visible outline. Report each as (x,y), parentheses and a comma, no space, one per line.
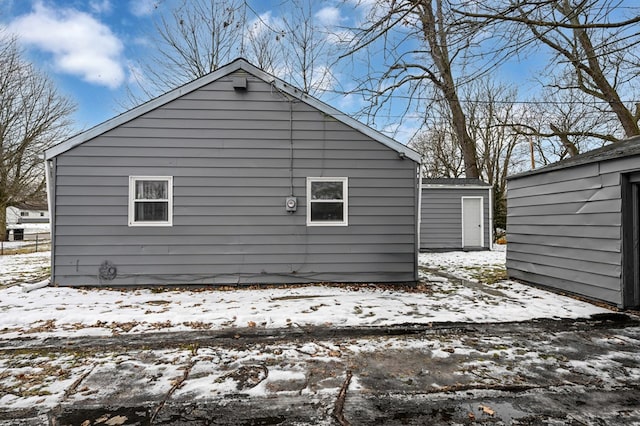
(150,200)
(327,201)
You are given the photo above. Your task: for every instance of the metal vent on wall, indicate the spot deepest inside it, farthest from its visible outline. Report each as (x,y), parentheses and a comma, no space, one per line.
(239,83)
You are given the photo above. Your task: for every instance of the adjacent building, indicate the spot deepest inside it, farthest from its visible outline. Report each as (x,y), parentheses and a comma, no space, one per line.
(575,225)
(456,214)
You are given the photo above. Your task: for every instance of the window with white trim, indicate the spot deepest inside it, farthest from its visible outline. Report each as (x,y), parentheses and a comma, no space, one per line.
(327,201)
(150,200)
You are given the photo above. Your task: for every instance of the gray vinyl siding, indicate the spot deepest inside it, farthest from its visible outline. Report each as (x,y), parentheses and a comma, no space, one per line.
(441,217)
(229,155)
(564,229)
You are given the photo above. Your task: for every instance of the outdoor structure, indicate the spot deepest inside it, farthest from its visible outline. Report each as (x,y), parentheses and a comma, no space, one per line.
(575,225)
(456,214)
(234,178)
(27,213)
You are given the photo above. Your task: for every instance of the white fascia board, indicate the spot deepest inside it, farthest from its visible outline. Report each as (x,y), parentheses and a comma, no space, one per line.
(209,78)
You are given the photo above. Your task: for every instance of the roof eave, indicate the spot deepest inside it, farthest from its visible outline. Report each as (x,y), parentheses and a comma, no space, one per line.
(588,158)
(345,119)
(140,110)
(238,64)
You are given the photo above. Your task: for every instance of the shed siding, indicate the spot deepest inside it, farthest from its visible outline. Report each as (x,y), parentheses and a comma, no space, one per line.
(564,229)
(441,217)
(229,155)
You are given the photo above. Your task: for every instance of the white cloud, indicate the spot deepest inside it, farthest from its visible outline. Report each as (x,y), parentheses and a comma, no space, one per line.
(142,41)
(142,7)
(329,16)
(80,44)
(100,6)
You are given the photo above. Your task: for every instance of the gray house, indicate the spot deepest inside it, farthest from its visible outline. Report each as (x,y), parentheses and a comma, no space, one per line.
(575,225)
(234,178)
(456,214)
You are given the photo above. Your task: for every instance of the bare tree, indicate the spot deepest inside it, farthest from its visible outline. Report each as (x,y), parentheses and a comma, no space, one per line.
(261,43)
(594,46)
(428,53)
(440,153)
(490,108)
(305,50)
(561,124)
(438,146)
(199,36)
(33,116)
(190,41)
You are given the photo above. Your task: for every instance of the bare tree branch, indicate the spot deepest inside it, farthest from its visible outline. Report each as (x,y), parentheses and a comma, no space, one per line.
(592,49)
(33,116)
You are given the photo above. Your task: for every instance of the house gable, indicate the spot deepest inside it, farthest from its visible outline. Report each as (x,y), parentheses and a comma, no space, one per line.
(232,159)
(237,65)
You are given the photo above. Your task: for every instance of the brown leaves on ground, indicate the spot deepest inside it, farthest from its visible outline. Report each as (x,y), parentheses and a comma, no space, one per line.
(486,410)
(197,325)
(161,324)
(46,326)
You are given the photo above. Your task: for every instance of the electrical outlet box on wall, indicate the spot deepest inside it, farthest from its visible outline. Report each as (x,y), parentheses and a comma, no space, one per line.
(291,204)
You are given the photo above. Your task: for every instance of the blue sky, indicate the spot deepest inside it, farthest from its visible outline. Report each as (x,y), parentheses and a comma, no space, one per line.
(84,46)
(89,47)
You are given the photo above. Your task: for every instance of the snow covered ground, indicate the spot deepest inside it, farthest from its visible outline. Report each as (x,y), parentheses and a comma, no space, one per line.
(481,297)
(493,357)
(24,268)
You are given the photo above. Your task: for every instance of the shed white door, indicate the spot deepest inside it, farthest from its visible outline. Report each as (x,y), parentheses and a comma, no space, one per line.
(472,229)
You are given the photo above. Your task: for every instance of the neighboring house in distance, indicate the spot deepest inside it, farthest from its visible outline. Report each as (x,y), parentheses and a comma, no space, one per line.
(575,225)
(234,178)
(456,214)
(27,213)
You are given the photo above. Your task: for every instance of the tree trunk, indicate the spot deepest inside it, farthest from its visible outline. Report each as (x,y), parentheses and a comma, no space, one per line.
(467,144)
(436,36)
(3,222)
(569,146)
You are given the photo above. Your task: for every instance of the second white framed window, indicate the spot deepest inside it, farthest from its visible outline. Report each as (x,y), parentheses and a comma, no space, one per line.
(327,201)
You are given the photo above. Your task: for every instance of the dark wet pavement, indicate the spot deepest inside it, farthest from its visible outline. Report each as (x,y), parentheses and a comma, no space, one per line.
(546,372)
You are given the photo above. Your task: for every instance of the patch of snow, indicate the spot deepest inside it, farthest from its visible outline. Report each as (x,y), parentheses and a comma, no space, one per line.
(20,268)
(63,311)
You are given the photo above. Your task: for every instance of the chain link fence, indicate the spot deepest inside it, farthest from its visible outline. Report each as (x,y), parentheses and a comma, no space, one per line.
(20,241)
